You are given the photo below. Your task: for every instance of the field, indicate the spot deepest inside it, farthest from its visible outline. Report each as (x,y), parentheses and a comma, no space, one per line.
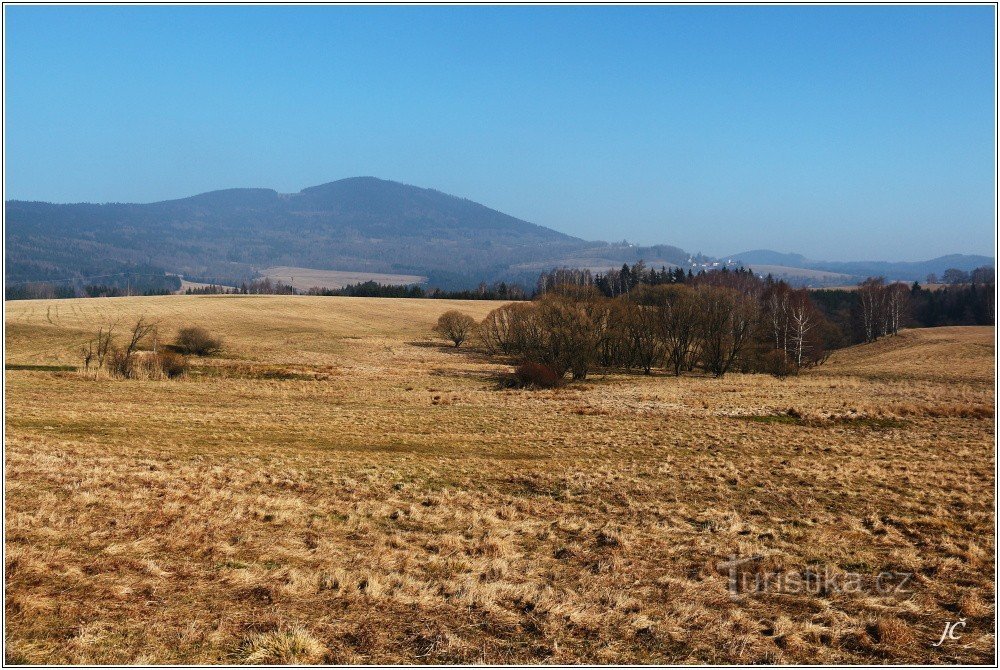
(305,278)
(854,287)
(800,273)
(340,487)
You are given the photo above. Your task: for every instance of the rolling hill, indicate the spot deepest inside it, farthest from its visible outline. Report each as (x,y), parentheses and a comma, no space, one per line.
(903,271)
(357,225)
(360,224)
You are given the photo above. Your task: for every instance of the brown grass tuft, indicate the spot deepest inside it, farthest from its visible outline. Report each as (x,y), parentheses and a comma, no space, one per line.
(893,632)
(294,646)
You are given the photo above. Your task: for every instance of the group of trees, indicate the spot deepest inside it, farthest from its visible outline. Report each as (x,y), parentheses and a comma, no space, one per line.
(111,288)
(980,275)
(124,358)
(882,308)
(370,289)
(877,308)
(262,286)
(613,283)
(962,305)
(715,322)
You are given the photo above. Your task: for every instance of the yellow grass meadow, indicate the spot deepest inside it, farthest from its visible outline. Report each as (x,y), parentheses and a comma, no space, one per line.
(339,486)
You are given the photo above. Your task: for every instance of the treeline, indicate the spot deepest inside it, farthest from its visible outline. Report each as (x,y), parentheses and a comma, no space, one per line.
(877,308)
(263,286)
(371,289)
(981,275)
(123,284)
(613,283)
(715,322)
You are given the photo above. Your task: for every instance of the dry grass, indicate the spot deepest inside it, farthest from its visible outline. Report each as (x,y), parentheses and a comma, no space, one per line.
(339,487)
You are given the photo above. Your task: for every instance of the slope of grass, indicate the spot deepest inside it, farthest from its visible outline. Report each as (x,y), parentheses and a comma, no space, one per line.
(339,487)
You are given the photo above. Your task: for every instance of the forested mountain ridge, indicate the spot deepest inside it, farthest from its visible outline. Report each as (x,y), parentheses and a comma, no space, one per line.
(363,224)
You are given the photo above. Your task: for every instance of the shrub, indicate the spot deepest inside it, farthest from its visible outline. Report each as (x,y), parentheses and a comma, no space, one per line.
(170,364)
(121,363)
(196,341)
(502,330)
(455,326)
(146,364)
(777,363)
(533,375)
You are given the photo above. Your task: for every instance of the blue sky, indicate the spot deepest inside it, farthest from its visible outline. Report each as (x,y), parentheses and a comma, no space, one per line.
(836,132)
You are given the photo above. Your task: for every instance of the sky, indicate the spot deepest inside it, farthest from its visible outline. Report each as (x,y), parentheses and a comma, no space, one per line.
(842,133)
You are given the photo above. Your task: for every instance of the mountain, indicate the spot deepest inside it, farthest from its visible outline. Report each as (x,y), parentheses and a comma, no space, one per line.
(909,271)
(360,224)
(893,270)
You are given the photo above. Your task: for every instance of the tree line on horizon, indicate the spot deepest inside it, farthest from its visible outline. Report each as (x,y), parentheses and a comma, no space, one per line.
(856,315)
(368,289)
(966,298)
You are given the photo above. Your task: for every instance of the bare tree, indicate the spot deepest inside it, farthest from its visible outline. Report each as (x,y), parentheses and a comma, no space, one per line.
(140,330)
(455,326)
(640,327)
(955,276)
(803,319)
(499,330)
(983,275)
(675,324)
(728,319)
(87,352)
(573,330)
(105,341)
(871,303)
(897,306)
(776,305)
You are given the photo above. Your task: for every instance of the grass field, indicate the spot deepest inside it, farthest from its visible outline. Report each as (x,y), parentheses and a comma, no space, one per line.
(339,487)
(307,278)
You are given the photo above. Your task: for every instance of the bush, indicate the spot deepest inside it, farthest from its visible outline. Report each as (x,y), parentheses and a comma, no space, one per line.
(170,364)
(455,326)
(533,375)
(196,341)
(121,363)
(777,363)
(146,365)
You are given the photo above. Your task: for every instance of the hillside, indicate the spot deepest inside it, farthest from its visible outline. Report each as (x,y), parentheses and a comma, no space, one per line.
(359,224)
(797,264)
(954,353)
(356,225)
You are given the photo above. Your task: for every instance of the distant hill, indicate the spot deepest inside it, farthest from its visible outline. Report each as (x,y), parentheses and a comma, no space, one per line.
(351,226)
(894,270)
(360,224)
(768,257)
